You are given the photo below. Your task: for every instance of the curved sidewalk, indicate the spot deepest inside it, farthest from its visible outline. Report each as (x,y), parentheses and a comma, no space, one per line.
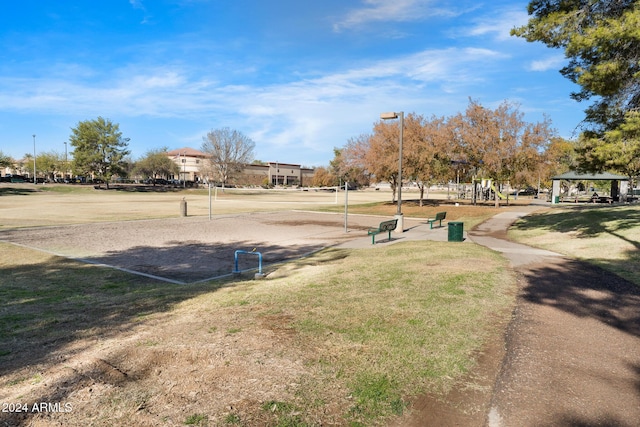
(573,346)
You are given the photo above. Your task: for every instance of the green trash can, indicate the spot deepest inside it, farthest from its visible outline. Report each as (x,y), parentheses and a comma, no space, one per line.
(556,200)
(456,230)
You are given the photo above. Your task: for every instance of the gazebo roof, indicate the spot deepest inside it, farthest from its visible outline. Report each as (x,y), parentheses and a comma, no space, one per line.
(577,176)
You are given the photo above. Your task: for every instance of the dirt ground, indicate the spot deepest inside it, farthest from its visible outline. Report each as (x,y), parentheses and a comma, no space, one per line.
(192,249)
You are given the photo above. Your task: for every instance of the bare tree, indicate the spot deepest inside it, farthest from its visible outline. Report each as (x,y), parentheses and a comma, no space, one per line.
(228,150)
(347,165)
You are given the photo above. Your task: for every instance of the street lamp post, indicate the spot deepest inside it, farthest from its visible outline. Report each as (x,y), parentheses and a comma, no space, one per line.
(66,162)
(399,216)
(184,170)
(34,159)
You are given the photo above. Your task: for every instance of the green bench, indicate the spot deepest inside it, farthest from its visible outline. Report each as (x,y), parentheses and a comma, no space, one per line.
(387,226)
(439,217)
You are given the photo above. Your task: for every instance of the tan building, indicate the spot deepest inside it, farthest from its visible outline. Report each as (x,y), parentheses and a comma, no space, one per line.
(191,162)
(276,174)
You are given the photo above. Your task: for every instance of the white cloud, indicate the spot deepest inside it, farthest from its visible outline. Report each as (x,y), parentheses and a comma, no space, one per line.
(313,111)
(136,4)
(498,25)
(388,11)
(174,92)
(139,5)
(554,62)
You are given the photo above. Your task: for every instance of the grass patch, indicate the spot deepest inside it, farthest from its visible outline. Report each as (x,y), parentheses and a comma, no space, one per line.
(581,232)
(197,420)
(467,213)
(233,419)
(284,414)
(374,327)
(67,189)
(366,330)
(48,299)
(385,323)
(375,394)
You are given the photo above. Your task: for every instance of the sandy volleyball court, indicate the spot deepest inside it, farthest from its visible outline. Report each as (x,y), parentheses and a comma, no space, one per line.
(192,249)
(145,232)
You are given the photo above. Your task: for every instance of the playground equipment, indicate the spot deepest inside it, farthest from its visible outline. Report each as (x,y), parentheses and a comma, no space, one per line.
(485,190)
(259,274)
(502,196)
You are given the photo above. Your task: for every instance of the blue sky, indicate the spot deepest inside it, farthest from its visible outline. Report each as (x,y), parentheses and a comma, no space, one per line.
(299,77)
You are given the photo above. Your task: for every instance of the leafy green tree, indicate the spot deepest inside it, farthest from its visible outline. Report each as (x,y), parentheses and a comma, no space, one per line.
(338,166)
(624,153)
(5,160)
(618,149)
(26,165)
(99,148)
(156,164)
(49,164)
(228,151)
(602,42)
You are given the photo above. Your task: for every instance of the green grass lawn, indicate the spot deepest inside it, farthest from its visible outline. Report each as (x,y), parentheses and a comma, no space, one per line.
(608,236)
(401,320)
(374,327)
(381,324)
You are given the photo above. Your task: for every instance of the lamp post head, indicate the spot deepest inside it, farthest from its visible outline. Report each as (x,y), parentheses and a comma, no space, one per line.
(389,115)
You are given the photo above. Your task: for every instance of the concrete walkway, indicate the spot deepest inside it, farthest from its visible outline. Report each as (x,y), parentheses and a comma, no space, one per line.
(415,229)
(492,234)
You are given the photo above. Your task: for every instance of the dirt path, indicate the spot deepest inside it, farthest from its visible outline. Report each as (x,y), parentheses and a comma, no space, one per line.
(573,347)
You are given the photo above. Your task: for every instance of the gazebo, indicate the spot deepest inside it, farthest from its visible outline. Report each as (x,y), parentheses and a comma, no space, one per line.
(619,184)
